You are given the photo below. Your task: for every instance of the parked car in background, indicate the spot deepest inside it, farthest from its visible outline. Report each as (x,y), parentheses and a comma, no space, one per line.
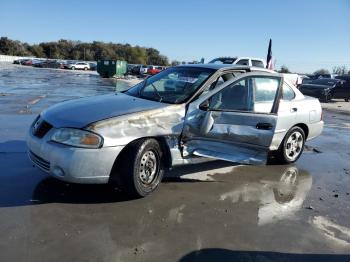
(36,61)
(152,70)
(182,115)
(17,61)
(324,88)
(344,90)
(248,61)
(143,69)
(78,65)
(67,63)
(27,62)
(319,76)
(93,66)
(48,64)
(129,68)
(135,70)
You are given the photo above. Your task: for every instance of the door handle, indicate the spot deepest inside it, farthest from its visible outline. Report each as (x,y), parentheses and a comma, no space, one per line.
(294,109)
(264,126)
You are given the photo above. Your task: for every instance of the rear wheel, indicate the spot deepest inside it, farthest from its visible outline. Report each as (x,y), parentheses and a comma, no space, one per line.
(85,68)
(73,67)
(139,170)
(346,99)
(292,146)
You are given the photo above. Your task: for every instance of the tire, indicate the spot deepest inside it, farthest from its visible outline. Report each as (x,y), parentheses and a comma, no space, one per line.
(73,68)
(292,146)
(346,99)
(327,98)
(139,169)
(85,68)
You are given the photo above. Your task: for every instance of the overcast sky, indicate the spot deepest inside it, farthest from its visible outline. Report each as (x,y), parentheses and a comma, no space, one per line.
(306,35)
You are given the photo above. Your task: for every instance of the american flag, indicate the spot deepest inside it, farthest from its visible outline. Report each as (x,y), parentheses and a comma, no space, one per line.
(269,62)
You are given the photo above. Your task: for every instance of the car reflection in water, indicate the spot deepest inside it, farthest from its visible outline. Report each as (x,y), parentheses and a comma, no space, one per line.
(235,208)
(280,194)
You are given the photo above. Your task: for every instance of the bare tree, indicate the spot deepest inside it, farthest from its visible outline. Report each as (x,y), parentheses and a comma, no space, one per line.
(340,70)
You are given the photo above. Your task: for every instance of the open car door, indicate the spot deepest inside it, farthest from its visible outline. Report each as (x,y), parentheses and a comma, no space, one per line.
(234,122)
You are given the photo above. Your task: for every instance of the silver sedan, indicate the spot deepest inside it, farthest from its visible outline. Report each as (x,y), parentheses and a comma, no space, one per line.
(185,114)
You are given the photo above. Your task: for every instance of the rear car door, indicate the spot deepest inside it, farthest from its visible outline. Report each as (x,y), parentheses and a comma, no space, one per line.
(236,121)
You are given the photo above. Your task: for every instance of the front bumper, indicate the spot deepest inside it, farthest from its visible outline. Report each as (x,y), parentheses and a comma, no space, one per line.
(71,164)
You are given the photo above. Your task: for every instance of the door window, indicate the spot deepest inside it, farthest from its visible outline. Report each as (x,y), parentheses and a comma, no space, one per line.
(251,94)
(219,81)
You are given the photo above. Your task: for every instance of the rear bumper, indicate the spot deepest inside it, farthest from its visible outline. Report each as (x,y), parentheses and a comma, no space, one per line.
(75,165)
(315,129)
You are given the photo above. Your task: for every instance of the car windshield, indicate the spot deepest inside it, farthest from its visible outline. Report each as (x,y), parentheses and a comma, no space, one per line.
(174,85)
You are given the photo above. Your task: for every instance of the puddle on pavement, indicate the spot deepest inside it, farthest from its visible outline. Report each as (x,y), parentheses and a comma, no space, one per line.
(22,88)
(276,192)
(333,231)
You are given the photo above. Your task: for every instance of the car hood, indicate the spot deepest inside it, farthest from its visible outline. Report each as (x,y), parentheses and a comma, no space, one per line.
(79,113)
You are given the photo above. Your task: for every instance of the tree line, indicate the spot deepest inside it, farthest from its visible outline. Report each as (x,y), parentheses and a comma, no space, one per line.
(77,50)
(338,70)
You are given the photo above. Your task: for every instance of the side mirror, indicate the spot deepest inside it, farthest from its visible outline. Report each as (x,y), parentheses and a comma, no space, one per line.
(204,106)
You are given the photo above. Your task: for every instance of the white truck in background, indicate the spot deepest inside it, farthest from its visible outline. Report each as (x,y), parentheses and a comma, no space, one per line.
(294,79)
(249,61)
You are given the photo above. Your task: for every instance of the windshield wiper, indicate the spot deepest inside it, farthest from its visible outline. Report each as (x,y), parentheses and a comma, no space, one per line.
(155,89)
(157,92)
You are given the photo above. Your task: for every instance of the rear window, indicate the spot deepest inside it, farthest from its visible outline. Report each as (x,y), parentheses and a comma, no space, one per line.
(243,62)
(223,60)
(288,93)
(258,63)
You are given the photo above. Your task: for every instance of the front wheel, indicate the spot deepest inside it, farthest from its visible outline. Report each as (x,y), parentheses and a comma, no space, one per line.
(292,146)
(327,98)
(140,168)
(73,68)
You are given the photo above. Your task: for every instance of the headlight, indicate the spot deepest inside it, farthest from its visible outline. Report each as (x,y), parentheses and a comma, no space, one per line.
(77,138)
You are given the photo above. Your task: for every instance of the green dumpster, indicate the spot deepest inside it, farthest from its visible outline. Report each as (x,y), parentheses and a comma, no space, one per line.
(111,68)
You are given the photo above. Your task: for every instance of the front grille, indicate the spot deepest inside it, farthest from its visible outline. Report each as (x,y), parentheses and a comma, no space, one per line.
(42,163)
(40,128)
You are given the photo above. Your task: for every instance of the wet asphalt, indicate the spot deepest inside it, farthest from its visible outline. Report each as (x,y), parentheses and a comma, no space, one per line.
(210,212)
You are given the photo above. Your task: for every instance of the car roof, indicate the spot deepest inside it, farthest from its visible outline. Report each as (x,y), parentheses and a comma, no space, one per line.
(224,67)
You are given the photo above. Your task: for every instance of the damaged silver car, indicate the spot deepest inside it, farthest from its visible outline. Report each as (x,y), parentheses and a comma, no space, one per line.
(184,114)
